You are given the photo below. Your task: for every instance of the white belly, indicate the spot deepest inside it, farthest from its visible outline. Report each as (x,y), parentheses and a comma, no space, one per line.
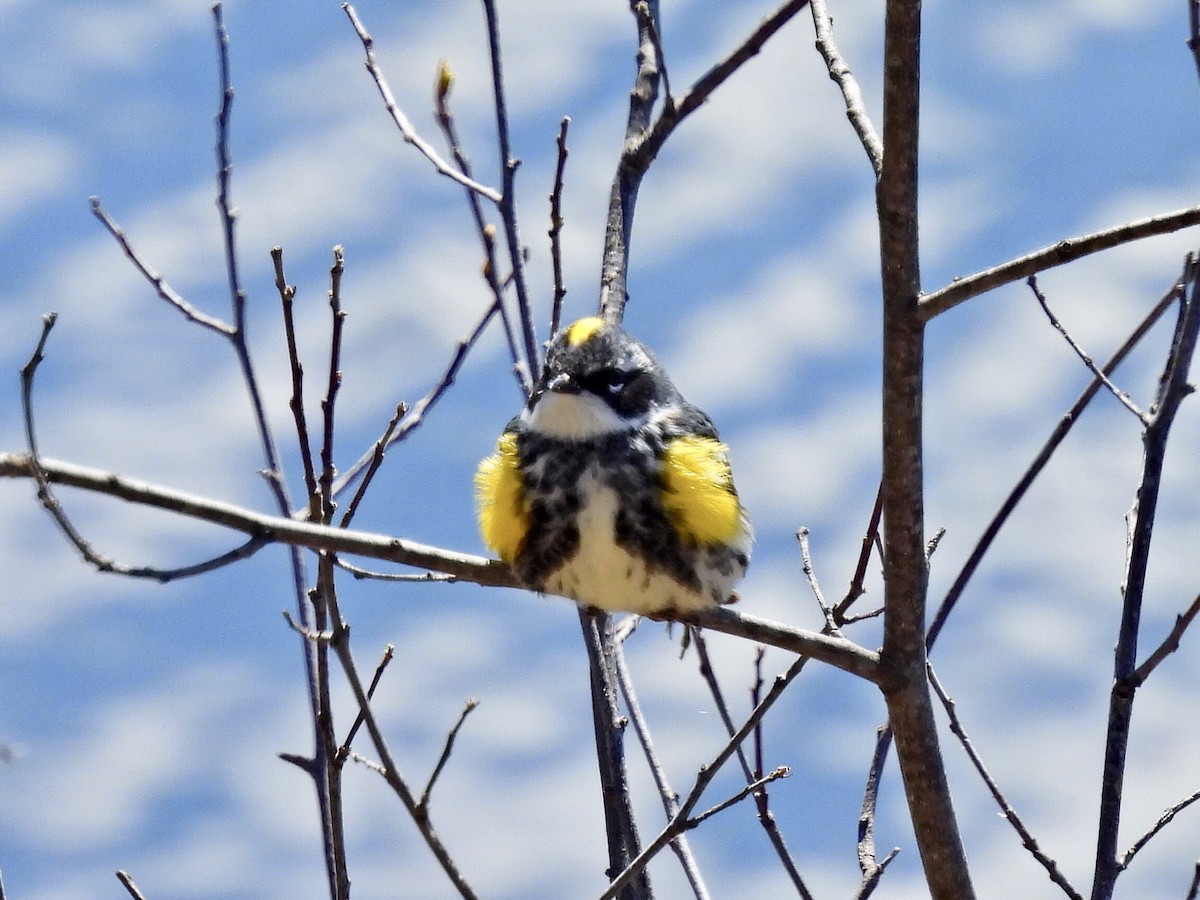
(605,576)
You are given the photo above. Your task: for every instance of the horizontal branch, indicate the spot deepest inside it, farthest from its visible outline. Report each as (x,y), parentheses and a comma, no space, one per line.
(1065,251)
(275,529)
(838,652)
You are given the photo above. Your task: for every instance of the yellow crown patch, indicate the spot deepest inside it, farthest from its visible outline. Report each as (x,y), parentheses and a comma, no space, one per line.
(582,330)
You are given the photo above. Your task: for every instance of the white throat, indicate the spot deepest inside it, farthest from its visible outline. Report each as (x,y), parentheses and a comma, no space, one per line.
(575,417)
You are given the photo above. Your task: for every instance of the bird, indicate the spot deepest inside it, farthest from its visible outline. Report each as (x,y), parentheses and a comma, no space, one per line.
(610,488)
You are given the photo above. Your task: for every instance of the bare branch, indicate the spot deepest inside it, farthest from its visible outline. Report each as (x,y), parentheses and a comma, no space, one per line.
(287,296)
(338,316)
(670,799)
(838,652)
(376,460)
(423,802)
(1163,821)
(1056,438)
(608,725)
(164,290)
(414,417)
(839,72)
(127,882)
(869,541)
(1172,389)
(1121,395)
(680,824)
(1027,839)
(508,198)
(556,224)
(1065,251)
(644,140)
(486,231)
(360,573)
(406,130)
(224,171)
(1169,645)
(1194,887)
(389,653)
(872,869)
(831,623)
(756,785)
(1193,43)
(54,507)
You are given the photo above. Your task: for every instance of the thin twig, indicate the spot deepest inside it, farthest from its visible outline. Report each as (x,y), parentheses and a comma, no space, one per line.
(389,653)
(1121,395)
(52,504)
(556,225)
(1169,645)
(416,415)
(1027,839)
(831,622)
(127,882)
(753,787)
(1163,821)
(839,72)
(1193,43)
(644,140)
(361,573)
(338,317)
(1067,250)
(447,749)
(670,799)
(287,296)
(339,642)
(508,198)
(869,541)
(1194,887)
(680,824)
(1057,436)
(406,130)
(376,460)
(871,867)
(486,231)
(161,287)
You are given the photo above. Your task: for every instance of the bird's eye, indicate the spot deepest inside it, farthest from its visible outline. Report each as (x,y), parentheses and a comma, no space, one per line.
(609,382)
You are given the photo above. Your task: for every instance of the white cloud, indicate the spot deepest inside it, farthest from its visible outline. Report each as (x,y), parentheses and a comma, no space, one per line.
(33,166)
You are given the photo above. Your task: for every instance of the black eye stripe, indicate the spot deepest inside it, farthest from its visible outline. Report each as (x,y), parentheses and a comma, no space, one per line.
(608,381)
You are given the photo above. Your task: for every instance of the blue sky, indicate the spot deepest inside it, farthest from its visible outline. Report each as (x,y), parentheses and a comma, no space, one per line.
(146,719)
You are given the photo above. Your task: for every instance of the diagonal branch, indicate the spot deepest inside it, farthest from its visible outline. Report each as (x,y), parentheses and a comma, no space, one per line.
(406,129)
(1121,395)
(164,290)
(839,72)
(1169,645)
(1067,250)
(1043,457)
(1027,839)
(1163,821)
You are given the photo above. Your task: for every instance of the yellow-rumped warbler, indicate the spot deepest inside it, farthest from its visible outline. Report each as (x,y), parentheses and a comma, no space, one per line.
(610,488)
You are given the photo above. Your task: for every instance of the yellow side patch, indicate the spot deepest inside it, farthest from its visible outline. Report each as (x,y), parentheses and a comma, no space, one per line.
(583,329)
(500,497)
(698,490)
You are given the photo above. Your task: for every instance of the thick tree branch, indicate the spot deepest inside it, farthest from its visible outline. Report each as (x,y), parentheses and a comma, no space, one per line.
(906,690)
